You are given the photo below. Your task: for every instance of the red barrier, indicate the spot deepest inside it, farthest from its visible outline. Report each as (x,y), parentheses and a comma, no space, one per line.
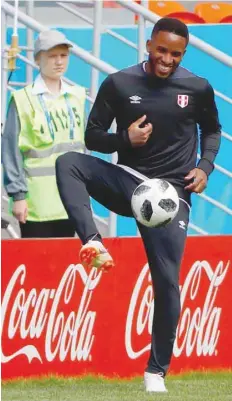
(59,318)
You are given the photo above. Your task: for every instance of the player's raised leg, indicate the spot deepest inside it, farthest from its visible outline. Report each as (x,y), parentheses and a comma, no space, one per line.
(81,176)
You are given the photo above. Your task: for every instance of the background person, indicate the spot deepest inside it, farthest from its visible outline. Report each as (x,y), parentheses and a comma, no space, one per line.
(44,120)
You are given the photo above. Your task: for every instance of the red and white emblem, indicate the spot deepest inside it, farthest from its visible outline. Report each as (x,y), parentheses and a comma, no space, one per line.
(182,100)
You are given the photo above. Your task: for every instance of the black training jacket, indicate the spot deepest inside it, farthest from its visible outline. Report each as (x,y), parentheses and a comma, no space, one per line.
(174,106)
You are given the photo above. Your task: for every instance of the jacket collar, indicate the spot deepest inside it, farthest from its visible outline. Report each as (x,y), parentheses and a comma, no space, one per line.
(39,87)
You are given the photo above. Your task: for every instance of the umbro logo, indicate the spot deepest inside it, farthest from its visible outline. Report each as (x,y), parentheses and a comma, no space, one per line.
(182,225)
(135,99)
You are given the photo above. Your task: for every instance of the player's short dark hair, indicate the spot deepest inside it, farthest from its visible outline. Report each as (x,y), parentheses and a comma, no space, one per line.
(171,25)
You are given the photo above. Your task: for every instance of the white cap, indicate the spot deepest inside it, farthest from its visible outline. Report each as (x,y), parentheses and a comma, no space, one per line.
(49,39)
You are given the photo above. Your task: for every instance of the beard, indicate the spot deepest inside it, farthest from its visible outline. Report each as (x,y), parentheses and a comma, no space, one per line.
(152,66)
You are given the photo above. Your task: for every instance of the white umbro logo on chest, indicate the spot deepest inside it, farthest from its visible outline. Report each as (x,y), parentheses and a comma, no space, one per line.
(182,100)
(135,99)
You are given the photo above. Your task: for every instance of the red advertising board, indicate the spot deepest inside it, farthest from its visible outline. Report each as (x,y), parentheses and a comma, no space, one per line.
(59,318)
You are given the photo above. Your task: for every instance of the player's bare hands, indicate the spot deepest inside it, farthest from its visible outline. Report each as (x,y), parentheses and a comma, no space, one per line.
(20,210)
(198,180)
(139,136)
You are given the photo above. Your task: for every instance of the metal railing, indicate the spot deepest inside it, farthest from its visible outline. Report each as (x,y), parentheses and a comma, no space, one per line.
(90,21)
(98,64)
(193,40)
(143,15)
(198,229)
(76,50)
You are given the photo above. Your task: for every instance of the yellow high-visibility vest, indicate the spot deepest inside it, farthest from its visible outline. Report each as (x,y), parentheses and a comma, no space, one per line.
(43,137)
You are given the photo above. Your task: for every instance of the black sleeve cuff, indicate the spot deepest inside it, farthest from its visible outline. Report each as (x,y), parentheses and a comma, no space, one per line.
(18,196)
(206,166)
(126,143)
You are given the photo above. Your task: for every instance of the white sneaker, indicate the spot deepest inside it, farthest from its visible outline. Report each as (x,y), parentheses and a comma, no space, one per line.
(154,382)
(94,254)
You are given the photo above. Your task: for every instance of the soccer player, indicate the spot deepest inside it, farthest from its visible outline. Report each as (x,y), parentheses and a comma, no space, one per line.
(157,105)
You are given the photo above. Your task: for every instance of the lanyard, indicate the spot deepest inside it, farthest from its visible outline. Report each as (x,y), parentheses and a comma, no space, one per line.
(48,117)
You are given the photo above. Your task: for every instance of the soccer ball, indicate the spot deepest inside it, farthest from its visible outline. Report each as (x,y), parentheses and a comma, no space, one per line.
(155,203)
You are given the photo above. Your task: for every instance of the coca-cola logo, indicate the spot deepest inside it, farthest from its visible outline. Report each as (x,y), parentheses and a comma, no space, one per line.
(63,319)
(198,329)
(39,313)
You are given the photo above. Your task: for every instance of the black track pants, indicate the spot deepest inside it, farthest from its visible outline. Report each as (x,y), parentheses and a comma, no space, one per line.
(80,176)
